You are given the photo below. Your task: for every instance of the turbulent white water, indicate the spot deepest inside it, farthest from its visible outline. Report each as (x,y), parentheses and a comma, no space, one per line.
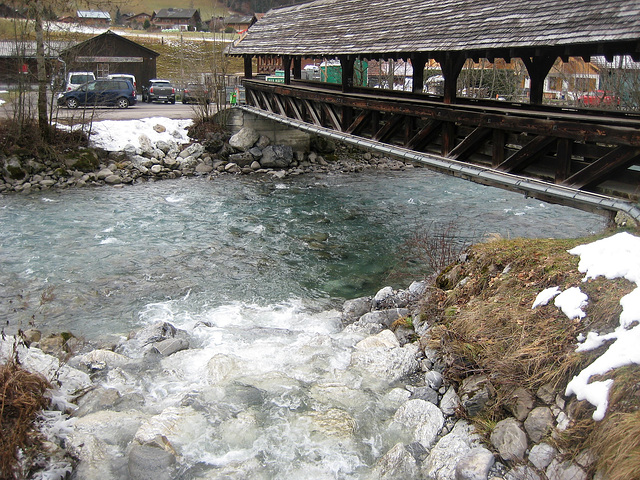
(255,271)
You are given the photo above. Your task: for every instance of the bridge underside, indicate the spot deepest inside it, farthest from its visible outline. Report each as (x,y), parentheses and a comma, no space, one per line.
(576,154)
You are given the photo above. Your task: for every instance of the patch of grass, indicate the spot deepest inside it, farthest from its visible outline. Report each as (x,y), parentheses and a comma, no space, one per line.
(21,398)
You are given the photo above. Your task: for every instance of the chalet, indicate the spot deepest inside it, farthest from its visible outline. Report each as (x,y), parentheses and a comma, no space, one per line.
(110,53)
(137,20)
(93,17)
(185,18)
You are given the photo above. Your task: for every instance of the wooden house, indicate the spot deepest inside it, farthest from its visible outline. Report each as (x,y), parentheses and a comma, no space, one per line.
(185,18)
(93,17)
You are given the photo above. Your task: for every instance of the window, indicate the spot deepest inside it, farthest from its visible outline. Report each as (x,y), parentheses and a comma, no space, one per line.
(103,69)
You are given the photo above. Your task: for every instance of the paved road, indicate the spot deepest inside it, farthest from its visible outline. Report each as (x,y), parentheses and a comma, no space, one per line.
(139,110)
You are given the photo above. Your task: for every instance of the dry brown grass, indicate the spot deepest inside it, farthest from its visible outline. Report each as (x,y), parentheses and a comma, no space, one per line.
(21,398)
(486,324)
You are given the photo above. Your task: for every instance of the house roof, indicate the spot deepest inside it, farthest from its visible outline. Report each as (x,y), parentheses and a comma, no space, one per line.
(103,37)
(12,48)
(175,13)
(239,19)
(352,27)
(93,14)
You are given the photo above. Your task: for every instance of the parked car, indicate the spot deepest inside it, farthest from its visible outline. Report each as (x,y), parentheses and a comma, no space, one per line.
(599,98)
(124,76)
(104,92)
(195,93)
(75,79)
(159,91)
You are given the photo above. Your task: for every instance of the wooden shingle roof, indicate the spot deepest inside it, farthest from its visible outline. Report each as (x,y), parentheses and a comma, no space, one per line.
(353,27)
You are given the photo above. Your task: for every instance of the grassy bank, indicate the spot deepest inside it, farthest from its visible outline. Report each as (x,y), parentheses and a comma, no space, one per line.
(485,324)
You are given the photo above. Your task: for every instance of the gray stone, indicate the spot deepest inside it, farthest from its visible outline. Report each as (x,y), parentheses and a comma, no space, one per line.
(203,168)
(509,439)
(546,393)
(276,156)
(475,465)
(99,398)
(433,378)
(541,455)
(353,309)
(441,462)
(242,159)
(449,402)
(475,393)
(165,146)
(244,139)
(423,419)
(150,463)
(565,471)
(263,142)
(170,346)
(193,150)
(385,317)
(425,393)
(255,152)
(113,179)
(522,403)
(383,298)
(522,472)
(156,169)
(104,173)
(255,165)
(232,168)
(538,423)
(397,463)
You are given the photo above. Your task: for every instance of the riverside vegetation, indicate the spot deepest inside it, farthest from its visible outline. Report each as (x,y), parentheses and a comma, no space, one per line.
(484,374)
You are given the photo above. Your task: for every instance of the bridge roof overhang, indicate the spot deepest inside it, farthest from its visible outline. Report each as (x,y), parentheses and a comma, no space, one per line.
(477,28)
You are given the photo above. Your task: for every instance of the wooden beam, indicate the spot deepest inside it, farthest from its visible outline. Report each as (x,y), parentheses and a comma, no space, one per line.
(466,147)
(347,63)
(315,118)
(425,135)
(286,65)
(389,128)
(527,155)
(297,68)
(293,107)
(563,156)
(331,115)
(451,65)
(360,121)
(448,137)
(497,147)
(538,68)
(248,60)
(418,62)
(603,168)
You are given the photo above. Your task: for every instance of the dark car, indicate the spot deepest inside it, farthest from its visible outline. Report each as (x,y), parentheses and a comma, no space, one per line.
(159,91)
(195,93)
(103,92)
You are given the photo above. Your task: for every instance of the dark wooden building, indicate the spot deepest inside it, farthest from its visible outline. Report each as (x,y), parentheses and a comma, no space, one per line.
(110,53)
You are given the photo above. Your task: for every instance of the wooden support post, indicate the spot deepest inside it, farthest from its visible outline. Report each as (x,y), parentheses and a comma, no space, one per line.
(347,62)
(497,147)
(286,65)
(418,61)
(538,68)
(297,68)
(451,65)
(448,137)
(248,74)
(563,156)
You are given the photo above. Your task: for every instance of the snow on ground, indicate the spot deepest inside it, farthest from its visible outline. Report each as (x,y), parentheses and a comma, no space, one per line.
(617,256)
(114,135)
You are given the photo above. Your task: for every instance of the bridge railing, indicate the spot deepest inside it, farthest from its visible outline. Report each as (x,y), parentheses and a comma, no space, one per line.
(592,151)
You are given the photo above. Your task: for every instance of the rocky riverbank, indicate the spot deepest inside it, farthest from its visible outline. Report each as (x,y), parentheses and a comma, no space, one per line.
(100,432)
(246,153)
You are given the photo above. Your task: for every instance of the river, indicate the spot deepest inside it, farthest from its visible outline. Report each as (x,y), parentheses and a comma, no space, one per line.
(255,270)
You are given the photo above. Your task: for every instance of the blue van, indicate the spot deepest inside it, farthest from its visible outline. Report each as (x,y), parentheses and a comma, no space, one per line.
(101,92)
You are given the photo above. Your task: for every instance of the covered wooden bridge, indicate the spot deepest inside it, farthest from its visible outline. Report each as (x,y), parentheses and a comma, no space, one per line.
(577,152)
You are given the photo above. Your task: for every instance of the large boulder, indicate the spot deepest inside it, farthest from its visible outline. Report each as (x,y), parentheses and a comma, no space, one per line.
(244,139)
(277,156)
(442,459)
(396,463)
(509,439)
(422,419)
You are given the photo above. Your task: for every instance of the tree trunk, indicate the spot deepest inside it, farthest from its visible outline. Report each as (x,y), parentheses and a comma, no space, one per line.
(43,124)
